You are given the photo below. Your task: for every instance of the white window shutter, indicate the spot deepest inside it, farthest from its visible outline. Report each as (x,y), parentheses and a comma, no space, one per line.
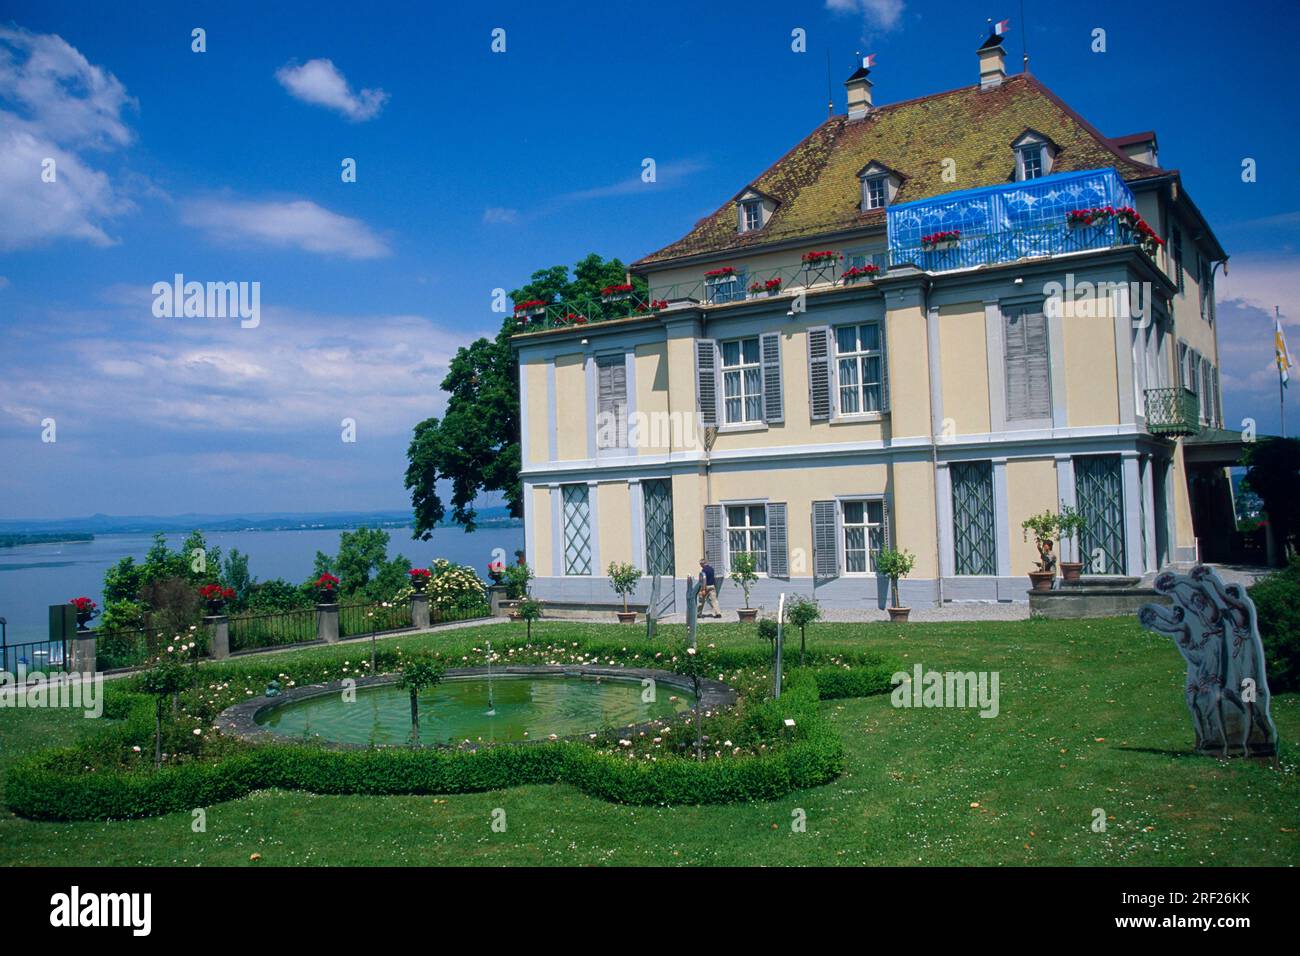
(713,550)
(778,560)
(826,551)
(706,380)
(773,400)
(819,373)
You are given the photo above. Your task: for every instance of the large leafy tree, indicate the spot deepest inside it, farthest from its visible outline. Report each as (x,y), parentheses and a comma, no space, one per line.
(475,445)
(1273,473)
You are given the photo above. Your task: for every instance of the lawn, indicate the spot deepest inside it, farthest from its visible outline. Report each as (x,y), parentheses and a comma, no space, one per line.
(1091,718)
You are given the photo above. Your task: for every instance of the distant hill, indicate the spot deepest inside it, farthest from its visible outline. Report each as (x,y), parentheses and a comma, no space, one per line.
(492,517)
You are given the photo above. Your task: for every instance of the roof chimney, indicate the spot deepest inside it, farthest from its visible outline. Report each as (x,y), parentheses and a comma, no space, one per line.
(993,62)
(859,89)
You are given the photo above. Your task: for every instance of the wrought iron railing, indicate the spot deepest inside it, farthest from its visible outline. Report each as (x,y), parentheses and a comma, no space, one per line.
(272,629)
(1172,411)
(358,619)
(134,648)
(31,656)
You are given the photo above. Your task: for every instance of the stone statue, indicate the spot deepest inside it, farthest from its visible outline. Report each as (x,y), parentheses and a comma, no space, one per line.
(1214,627)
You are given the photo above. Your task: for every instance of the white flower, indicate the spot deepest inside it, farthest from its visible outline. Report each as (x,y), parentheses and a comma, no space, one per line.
(198,732)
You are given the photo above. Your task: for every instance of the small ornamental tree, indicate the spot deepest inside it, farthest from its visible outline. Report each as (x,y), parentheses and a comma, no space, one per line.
(802,611)
(744,572)
(696,665)
(1070,523)
(165,678)
(1044,528)
(417,674)
(623,579)
(767,631)
(530,610)
(894,565)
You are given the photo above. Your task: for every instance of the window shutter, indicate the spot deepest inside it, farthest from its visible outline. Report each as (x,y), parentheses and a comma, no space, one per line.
(819,373)
(611,401)
(706,380)
(826,551)
(884,367)
(770,352)
(1027,369)
(778,564)
(713,552)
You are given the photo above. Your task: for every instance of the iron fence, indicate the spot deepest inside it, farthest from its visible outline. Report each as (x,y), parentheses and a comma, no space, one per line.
(1172,411)
(43,656)
(358,619)
(272,629)
(134,648)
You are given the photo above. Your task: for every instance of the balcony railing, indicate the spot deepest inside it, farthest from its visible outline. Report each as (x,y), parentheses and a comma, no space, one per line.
(1172,411)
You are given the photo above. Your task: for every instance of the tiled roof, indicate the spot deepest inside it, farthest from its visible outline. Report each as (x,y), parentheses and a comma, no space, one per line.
(816,184)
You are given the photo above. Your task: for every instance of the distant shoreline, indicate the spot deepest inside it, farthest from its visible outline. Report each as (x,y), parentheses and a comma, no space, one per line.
(15,540)
(50,531)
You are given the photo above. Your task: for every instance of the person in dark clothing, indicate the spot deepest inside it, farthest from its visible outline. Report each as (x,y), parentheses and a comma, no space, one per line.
(708,589)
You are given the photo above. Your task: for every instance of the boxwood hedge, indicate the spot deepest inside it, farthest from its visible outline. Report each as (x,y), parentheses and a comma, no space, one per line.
(56,785)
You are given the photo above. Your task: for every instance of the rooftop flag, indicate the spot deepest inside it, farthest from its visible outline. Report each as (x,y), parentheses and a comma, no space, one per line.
(868,61)
(1284,359)
(1001,27)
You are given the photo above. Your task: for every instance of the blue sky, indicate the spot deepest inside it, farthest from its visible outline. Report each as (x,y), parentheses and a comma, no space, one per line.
(473,169)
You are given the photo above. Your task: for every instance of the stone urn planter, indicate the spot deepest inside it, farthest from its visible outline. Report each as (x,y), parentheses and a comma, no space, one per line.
(1041,580)
(627,617)
(747,614)
(1071,570)
(898,615)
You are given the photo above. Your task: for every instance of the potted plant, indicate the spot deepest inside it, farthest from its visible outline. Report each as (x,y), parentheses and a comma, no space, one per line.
(894,565)
(1043,527)
(496,572)
(327,587)
(86,609)
(623,579)
(943,239)
(802,611)
(528,309)
(819,265)
(216,596)
(616,293)
(855,274)
(419,579)
(1071,525)
(744,572)
(769,288)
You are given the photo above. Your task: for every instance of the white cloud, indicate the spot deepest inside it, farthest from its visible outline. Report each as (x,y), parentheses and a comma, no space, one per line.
(320,82)
(500,215)
(878,15)
(299,224)
(55,103)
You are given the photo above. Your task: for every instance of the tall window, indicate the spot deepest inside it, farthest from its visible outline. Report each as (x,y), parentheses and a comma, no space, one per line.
(974,533)
(1028,386)
(742,382)
(874,191)
(725,288)
(751,216)
(857,357)
(747,533)
(658,506)
(863,523)
(1031,161)
(577,529)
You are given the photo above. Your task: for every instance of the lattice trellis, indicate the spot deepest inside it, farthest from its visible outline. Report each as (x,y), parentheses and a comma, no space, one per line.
(974,534)
(658,527)
(577,530)
(1099,487)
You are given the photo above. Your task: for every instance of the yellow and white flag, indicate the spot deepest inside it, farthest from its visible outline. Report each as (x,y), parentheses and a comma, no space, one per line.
(1284,359)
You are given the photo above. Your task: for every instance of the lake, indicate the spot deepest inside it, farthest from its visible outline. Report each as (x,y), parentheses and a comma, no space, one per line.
(34,576)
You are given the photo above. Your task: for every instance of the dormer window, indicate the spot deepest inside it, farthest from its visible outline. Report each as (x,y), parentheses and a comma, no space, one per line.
(1035,154)
(753,210)
(879,186)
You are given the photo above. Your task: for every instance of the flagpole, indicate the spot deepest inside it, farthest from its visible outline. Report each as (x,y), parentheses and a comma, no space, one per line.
(1281,371)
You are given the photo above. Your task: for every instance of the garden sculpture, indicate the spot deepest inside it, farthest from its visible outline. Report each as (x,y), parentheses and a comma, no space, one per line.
(1215,629)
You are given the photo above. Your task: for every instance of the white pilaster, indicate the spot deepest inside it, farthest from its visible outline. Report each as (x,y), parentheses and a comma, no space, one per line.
(1002,517)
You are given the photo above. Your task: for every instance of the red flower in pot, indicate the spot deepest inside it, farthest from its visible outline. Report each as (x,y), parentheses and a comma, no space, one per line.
(419,579)
(86,609)
(216,596)
(327,586)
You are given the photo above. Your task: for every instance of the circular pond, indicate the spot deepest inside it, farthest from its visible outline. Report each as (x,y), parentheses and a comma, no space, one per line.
(511,707)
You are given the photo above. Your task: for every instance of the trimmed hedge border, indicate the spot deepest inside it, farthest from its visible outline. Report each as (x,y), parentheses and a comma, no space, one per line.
(42,788)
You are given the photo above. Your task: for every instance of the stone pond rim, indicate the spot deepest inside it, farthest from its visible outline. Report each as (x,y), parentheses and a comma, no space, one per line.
(240,720)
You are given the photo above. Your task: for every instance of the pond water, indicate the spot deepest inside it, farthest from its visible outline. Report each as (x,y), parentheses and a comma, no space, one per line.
(530,707)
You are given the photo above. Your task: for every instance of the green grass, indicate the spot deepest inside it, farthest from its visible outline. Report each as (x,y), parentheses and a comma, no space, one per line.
(1092,716)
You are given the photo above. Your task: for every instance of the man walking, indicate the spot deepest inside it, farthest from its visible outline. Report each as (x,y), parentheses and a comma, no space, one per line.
(708,589)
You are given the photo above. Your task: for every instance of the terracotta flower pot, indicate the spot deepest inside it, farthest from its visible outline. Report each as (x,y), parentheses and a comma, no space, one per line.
(1071,570)
(898,615)
(627,617)
(1041,580)
(747,613)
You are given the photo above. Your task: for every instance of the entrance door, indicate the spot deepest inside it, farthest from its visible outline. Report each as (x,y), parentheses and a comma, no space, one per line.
(658,526)
(1099,489)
